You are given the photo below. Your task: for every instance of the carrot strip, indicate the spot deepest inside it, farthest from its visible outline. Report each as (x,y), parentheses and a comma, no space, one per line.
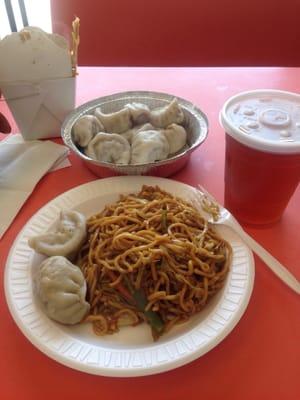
(119,286)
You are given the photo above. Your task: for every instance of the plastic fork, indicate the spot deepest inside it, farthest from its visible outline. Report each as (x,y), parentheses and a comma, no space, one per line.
(217,214)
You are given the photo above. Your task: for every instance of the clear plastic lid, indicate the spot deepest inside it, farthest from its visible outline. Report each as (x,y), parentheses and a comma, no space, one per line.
(266,120)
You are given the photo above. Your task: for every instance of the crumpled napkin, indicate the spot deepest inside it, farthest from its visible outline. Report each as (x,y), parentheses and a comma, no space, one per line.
(22,165)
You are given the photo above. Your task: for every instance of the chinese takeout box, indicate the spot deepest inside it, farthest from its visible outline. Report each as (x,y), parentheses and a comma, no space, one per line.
(37,80)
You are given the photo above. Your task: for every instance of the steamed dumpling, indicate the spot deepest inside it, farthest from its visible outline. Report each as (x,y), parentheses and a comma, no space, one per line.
(170,114)
(109,147)
(61,288)
(116,122)
(140,113)
(129,135)
(176,137)
(85,128)
(149,146)
(65,240)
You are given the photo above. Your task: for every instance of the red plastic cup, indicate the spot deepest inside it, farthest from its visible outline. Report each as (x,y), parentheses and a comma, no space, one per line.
(262,163)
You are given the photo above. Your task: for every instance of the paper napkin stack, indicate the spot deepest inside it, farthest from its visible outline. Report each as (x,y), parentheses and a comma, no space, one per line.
(22,165)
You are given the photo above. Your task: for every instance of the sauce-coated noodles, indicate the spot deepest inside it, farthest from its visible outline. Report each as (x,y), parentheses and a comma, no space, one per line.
(150,257)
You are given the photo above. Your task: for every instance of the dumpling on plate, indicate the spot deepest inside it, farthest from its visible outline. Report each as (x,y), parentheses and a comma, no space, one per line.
(139,112)
(170,114)
(65,240)
(61,287)
(129,135)
(149,146)
(85,128)
(116,122)
(176,137)
(109,147)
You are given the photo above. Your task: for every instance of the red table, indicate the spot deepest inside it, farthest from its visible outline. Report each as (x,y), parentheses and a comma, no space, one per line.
(260,358)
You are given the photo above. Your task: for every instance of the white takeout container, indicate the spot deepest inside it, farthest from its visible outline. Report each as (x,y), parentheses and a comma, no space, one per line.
(37,81)
(40,108)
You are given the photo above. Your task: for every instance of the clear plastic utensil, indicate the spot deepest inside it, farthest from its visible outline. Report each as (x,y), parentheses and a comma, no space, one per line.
(217,214)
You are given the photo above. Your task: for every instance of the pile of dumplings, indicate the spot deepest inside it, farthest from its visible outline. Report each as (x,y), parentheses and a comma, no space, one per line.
(133,135)
(60,284)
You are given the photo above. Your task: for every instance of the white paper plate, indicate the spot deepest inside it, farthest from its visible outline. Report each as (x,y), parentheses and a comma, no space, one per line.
(130,352)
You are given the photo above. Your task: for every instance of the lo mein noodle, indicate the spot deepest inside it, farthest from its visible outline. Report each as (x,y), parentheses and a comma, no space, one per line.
(150,257)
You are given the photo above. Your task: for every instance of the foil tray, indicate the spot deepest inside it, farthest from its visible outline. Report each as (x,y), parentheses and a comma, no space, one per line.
(196,125)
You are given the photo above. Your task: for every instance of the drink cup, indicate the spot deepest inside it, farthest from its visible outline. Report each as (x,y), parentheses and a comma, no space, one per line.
(262,162)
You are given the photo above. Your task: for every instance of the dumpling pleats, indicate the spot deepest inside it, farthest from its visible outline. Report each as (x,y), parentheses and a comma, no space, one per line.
(109,147)
(85,129)
(170,114)
(176,136)
(149,146)
(117,122)
(65,240)
(61,287)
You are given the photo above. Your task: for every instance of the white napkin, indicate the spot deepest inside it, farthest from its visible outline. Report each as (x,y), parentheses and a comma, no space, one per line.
(22,165)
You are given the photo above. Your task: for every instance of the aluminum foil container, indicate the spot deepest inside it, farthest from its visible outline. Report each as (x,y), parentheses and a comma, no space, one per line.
(196,125)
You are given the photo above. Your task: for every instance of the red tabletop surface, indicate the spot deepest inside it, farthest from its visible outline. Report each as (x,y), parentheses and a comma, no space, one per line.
(260,358)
